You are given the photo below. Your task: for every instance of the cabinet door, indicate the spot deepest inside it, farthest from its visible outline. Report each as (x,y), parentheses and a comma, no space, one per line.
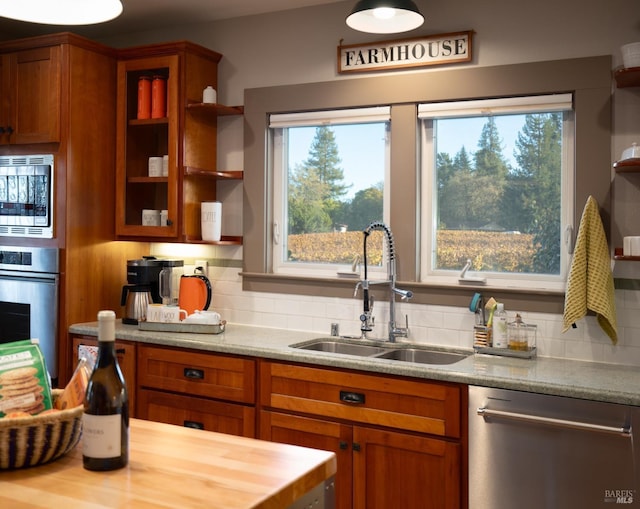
(198,413)
(32,96)
(392,469)
(316,434)
(126,353)
(140,139)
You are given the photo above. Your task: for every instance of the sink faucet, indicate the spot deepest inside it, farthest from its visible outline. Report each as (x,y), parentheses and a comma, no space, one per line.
(366,319)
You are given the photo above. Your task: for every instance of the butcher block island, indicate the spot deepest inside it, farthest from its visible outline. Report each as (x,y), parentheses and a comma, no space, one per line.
(172,466)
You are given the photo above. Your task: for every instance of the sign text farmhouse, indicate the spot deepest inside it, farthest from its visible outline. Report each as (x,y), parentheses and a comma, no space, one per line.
(415,52)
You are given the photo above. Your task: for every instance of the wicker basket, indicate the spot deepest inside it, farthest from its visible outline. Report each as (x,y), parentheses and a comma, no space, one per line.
(30,441)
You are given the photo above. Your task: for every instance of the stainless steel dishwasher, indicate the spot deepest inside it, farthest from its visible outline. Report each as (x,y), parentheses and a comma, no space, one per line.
(533,451)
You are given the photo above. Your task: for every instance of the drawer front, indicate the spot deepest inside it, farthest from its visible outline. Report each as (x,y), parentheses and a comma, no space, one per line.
(230,418)
(414,405)
(196,373)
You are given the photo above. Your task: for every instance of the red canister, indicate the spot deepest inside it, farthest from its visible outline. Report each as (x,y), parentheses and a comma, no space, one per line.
(158,97)
(144,97)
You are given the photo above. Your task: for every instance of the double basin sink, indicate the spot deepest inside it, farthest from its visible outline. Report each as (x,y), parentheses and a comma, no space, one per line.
(409,353)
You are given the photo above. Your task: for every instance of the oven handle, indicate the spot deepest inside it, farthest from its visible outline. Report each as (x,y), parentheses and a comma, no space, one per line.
(562,423)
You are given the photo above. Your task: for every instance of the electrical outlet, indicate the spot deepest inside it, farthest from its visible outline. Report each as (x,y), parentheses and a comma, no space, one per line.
(204,264)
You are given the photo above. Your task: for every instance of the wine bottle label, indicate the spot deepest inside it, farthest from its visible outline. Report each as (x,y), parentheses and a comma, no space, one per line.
(101,435)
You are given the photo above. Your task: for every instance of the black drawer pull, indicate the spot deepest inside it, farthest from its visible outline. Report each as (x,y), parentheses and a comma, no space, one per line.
(195,374)
(352,397)
(120,351)
(193,424)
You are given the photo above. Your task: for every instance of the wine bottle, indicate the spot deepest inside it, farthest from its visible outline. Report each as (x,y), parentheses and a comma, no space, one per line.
(105,435)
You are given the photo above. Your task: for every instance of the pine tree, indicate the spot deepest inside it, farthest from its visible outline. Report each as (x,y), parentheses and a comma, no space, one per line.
(316,187)
(538,152)
(490,176)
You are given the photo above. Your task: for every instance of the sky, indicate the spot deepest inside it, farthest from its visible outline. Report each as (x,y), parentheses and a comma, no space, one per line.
(362,157)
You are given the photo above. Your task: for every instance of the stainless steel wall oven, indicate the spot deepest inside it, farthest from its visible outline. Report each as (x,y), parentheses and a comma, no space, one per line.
(26,196)
(29,287)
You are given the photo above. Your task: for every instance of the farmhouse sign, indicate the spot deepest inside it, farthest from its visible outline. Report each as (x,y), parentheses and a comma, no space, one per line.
(404,53)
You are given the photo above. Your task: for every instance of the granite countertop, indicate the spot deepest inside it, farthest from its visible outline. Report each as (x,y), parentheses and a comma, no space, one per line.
(578,379)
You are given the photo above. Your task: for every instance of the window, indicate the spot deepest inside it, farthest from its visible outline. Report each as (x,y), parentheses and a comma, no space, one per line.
(498,190)
(330,171)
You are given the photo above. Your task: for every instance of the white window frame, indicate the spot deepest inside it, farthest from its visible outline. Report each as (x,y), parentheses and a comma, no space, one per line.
(428,224)
(278,164)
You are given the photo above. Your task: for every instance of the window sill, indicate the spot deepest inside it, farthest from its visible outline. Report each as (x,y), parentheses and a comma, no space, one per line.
(520,299)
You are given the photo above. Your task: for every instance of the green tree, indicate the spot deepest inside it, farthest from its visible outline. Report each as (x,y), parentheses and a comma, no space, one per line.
(455,189)
(306,213)
(365,207)
(316,187)
(539,155)
(491,171)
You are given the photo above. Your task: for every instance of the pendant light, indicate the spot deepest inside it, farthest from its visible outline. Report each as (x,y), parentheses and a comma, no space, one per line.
(385,16)
(61,12)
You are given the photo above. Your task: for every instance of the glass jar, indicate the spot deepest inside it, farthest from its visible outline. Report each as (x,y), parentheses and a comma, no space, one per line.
(521,336)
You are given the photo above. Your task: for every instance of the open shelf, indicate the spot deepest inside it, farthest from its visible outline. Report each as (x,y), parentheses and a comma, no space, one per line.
(627,166)
(218,109)
(627,77)
(617,255)
(225,240)
(222,175)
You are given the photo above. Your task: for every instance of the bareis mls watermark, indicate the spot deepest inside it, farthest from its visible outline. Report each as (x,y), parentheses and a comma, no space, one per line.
(405,53)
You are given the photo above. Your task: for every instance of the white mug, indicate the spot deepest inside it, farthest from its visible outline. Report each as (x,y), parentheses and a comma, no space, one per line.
(165,314)
(155,166)
(211,220)
(150,217)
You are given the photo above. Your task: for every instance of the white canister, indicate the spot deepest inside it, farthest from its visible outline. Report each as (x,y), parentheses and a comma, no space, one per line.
(165,165)
(155,166)
(211,220)
(209,95)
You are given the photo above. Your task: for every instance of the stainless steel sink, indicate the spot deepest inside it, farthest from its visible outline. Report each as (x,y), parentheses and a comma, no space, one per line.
(387,351)
(341,347)
(420,356)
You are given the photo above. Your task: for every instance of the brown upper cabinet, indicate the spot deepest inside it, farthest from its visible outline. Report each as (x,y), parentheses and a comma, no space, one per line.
(186,134)
(30,96)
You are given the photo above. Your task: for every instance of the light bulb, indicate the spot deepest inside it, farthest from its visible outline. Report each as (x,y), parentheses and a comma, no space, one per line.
(384,12)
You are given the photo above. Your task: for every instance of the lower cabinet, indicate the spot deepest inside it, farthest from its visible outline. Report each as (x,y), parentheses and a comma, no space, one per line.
(126,353)
(201,390)
(398,441)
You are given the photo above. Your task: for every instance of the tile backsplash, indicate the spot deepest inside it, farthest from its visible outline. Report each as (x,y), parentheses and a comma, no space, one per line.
(429,324)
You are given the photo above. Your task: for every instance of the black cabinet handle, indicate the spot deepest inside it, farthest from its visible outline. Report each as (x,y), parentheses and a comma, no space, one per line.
(354,398)
(193,373)
(120,351)
(9,129)
(193,424)
(356,446)
(343,445)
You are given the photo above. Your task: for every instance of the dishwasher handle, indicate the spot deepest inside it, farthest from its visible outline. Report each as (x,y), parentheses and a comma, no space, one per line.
(562,423)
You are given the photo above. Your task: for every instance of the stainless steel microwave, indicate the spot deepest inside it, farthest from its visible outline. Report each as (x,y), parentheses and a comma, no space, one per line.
(26,196)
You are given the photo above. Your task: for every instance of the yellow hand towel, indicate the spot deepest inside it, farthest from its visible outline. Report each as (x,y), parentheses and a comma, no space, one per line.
(590,284)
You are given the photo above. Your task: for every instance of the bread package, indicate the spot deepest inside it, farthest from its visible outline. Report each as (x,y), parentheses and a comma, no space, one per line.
(24,381)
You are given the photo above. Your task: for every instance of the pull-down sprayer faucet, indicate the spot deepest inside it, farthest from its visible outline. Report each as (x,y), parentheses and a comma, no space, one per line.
(366,318)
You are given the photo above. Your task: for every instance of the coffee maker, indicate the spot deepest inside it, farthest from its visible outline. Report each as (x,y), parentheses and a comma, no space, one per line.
(143,276)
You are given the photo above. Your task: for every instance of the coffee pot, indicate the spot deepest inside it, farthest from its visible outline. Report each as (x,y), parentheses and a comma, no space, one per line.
(195,293)
(135,299)
(169,283)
